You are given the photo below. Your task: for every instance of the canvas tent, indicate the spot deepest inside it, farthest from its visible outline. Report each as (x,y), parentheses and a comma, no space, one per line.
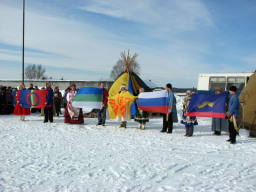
(247,100)
(130,79)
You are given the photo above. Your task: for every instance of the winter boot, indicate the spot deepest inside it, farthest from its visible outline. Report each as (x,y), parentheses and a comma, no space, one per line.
(143,126)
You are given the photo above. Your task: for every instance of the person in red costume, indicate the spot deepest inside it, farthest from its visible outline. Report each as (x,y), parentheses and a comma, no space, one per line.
(73,115)
(19,110)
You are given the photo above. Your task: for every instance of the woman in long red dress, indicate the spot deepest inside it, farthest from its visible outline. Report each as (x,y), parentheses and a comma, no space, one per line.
(73,115)
(18,109)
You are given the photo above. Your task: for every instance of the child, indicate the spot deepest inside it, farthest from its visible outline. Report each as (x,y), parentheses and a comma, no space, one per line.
(141,116)
(188,121)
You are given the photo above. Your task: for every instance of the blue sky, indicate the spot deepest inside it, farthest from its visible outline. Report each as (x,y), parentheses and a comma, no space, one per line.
(175,39)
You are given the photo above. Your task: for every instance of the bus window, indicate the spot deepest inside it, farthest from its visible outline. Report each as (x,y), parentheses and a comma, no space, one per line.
(239,82)
(217,82)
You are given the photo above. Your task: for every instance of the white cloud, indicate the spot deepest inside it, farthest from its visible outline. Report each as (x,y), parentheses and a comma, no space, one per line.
(181,15)
(67,43)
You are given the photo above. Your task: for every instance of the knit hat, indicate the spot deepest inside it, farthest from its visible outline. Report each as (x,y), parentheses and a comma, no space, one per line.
(169,85)
(233,88)
(123,86)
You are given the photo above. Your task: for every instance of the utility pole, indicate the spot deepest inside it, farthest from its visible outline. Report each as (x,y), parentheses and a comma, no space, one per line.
(23,42)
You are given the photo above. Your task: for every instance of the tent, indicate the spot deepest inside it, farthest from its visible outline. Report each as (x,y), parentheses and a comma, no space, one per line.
(132,81)
(247,100)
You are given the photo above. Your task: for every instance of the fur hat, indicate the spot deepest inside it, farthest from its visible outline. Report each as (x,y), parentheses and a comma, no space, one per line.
(169,85)
(188,92)
(233,88)
(123,86)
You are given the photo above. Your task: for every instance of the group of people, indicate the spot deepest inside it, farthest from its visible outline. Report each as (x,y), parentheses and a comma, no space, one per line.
(75,115)
(7,99)
(218,124)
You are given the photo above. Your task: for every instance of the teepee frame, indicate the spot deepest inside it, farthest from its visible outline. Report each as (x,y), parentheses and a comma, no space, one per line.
(128,60)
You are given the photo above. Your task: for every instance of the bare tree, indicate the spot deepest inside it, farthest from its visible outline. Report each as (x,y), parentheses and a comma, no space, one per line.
(125,64)
(34,72)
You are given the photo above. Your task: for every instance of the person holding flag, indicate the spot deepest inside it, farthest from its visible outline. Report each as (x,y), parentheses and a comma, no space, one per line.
(73,115)
(232,114)
(19,110)
(219,124)
(188,121)
(48,110)
(102,112)
(120,105)
(167,118)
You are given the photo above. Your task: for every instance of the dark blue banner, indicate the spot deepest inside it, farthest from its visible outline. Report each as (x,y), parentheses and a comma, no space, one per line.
(202,105)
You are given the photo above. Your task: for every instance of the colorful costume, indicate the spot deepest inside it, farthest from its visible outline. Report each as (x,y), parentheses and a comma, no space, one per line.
(188,121)
(18,109)
(73,115)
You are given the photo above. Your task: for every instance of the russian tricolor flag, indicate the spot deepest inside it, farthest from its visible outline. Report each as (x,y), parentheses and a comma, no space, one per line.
(153,101)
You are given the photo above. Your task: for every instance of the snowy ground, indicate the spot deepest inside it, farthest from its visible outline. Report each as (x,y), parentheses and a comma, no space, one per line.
(35,156)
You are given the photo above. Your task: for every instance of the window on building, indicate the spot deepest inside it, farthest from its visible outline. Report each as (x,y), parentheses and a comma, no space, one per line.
(217,82)
(239,82)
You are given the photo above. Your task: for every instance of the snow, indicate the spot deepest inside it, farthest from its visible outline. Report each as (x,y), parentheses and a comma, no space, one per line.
(37,156)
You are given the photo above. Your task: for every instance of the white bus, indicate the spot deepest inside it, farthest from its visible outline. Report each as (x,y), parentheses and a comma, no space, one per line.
(211,81)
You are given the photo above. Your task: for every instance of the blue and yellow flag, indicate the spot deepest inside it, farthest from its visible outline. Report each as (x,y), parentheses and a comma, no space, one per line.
(33,98)
(202,105)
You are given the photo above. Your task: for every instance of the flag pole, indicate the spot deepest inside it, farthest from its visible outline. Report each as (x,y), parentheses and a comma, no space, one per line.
(23,42)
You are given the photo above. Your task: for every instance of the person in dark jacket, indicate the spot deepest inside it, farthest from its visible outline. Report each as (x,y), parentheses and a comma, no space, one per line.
(48,115)
(102,112)
(57,100)
(232,114)
(8,95)
(2,100)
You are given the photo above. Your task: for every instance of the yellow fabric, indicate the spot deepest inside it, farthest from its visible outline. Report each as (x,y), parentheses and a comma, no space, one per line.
(118,104)
(233,119)
(115,88)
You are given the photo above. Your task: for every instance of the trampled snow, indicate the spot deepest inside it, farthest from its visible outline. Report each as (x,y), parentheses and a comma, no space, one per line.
(37,156)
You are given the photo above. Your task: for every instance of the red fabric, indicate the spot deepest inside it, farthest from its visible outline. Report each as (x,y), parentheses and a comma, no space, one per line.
(105,98)
(18,109)
(68,119)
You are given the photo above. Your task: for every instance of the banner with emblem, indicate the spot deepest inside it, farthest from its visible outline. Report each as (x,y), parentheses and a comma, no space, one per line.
(118,104)
(33,98)
(202,105)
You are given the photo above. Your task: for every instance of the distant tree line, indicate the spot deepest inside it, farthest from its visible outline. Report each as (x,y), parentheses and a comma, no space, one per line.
(35,72)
